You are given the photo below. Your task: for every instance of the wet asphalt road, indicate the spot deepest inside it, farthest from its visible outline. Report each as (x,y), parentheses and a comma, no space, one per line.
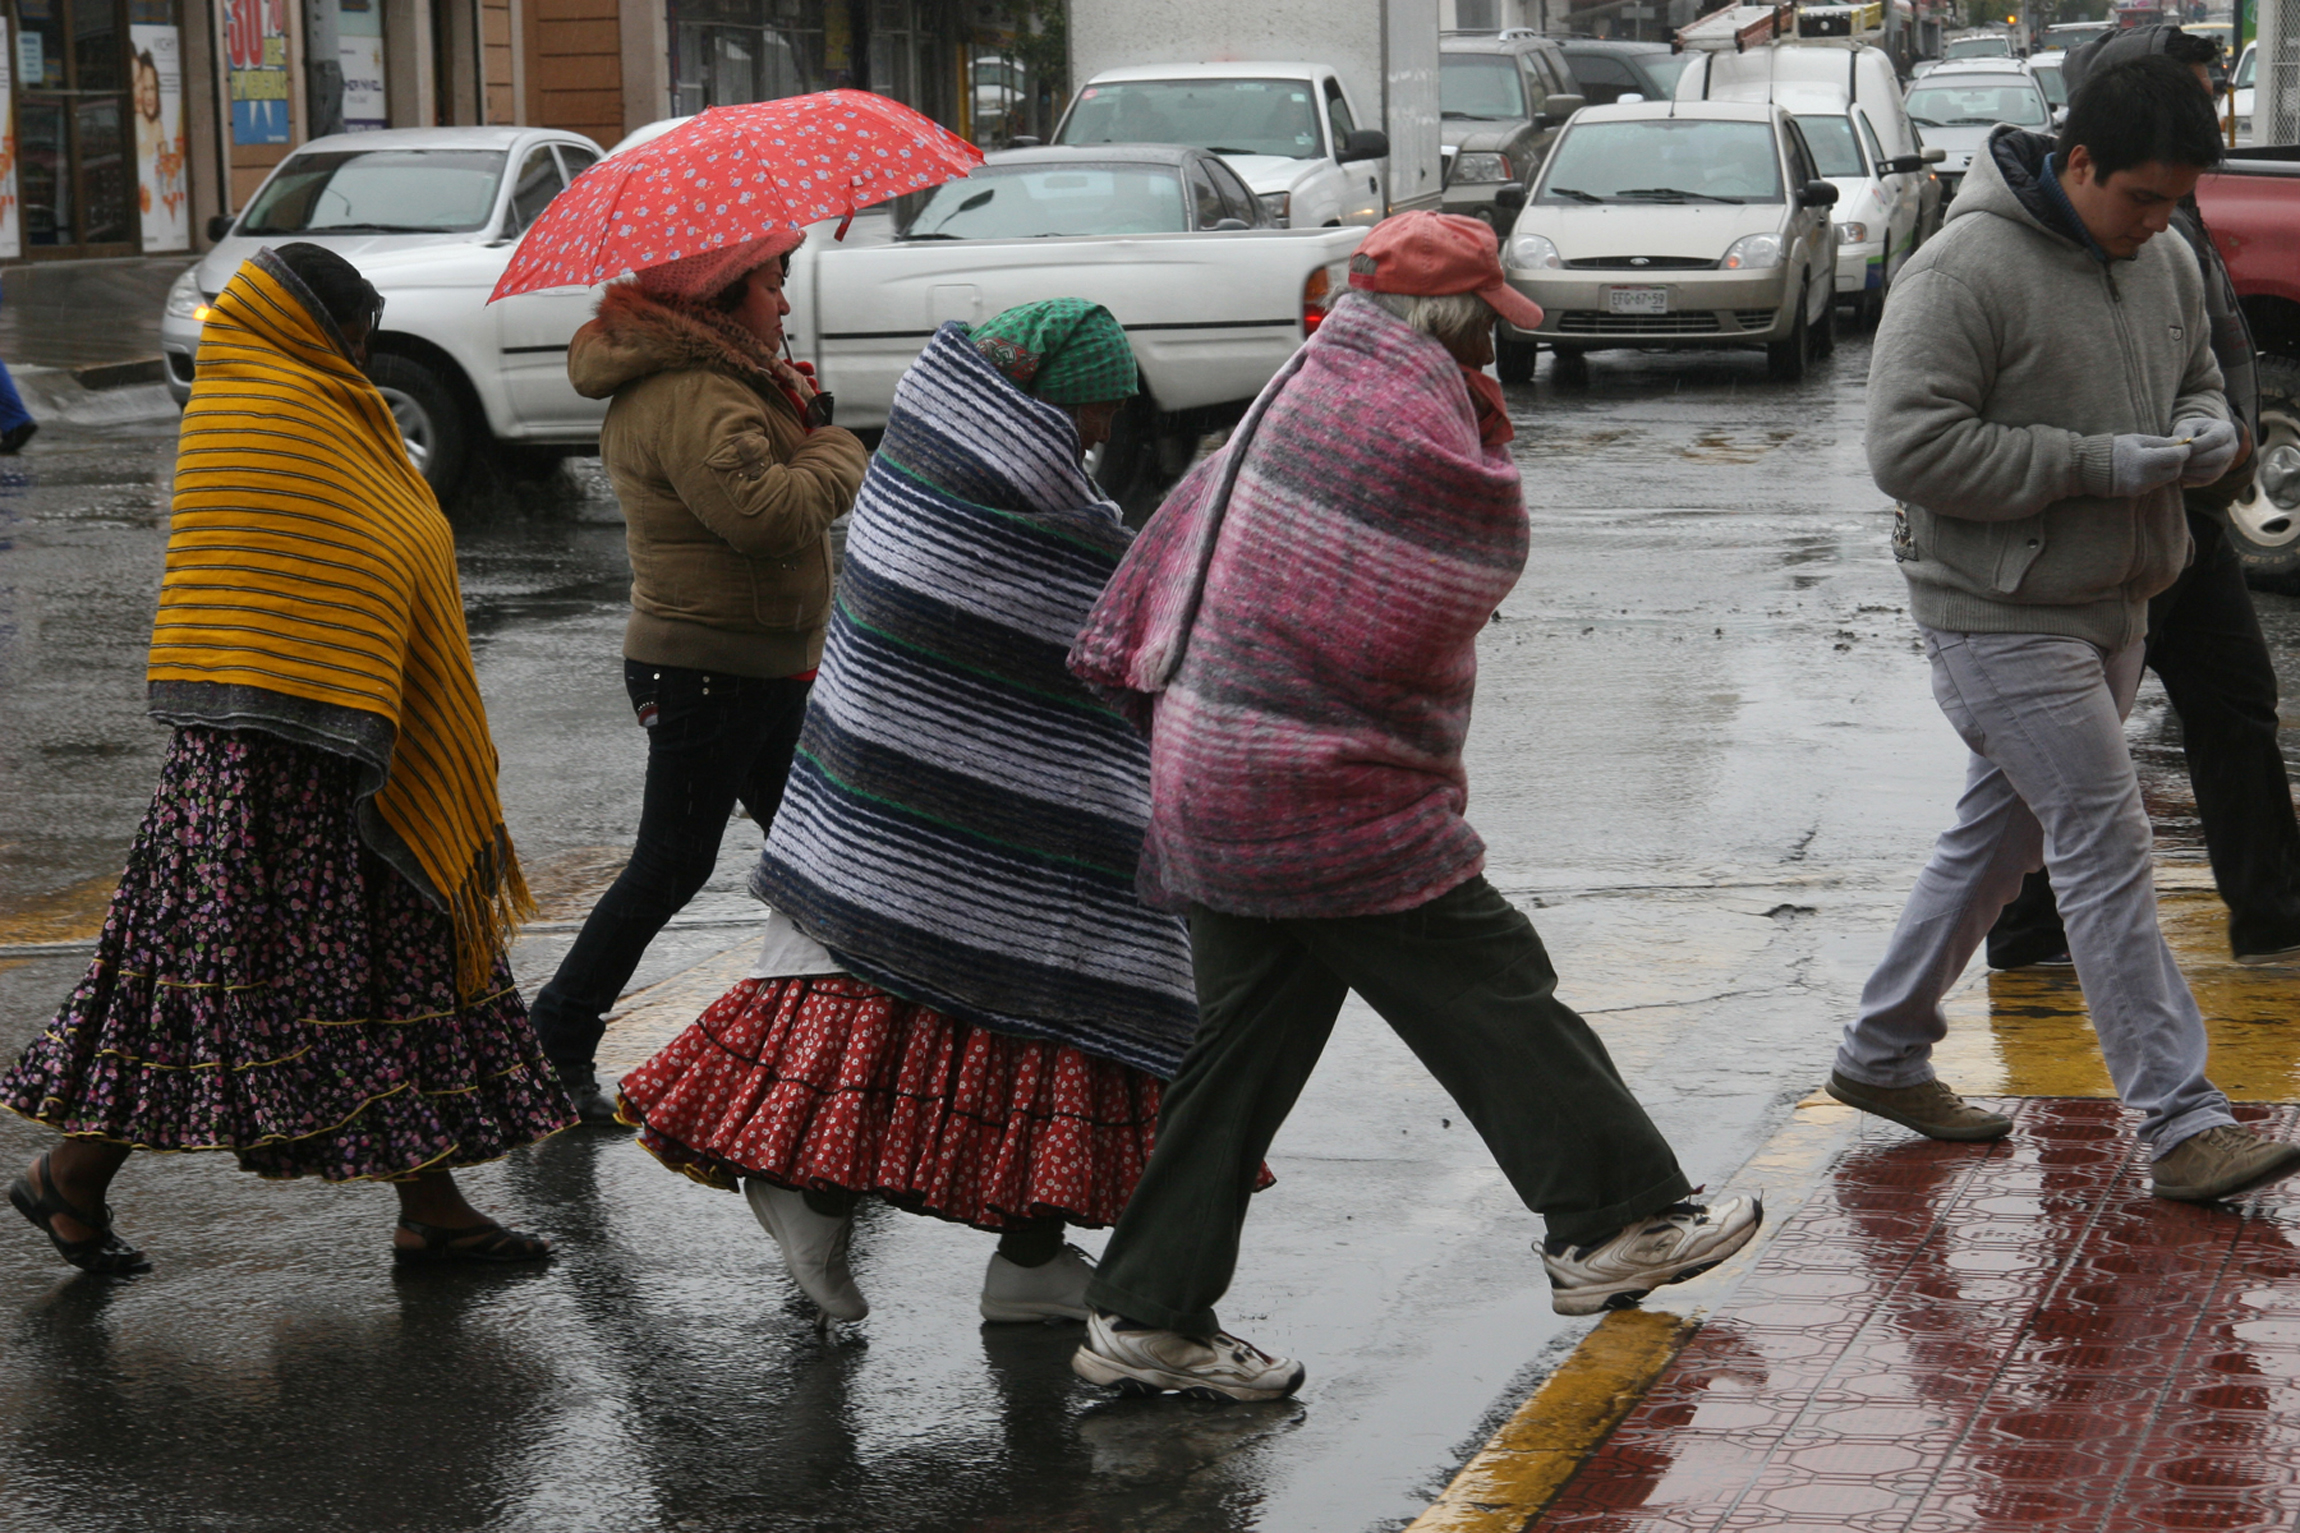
(1705,757)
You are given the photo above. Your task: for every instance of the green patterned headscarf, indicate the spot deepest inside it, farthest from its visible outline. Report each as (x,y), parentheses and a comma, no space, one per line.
(1065,351)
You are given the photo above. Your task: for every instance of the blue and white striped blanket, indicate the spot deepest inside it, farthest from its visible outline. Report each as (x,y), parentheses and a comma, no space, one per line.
(963,819)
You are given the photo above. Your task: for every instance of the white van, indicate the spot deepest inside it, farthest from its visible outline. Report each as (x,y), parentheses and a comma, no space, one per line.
(1847,101)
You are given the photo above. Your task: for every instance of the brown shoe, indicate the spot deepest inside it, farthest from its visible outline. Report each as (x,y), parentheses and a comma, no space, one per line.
(2221,1162)
(1931,1109)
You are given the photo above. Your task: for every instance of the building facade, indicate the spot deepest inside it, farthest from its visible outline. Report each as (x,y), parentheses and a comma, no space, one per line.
(126,125)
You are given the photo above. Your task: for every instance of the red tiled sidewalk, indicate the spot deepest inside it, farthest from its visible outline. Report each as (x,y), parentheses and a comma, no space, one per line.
(1952,1337)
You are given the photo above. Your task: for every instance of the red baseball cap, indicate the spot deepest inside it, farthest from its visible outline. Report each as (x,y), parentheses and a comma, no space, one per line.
(1435,255)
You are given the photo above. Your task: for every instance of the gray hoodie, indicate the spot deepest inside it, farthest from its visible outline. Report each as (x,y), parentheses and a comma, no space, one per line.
(2010,356)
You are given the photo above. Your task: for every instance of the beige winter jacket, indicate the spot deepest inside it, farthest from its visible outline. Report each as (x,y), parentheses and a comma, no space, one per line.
(727,498)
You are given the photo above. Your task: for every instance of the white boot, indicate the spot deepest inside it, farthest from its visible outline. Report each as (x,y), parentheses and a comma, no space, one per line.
(814,1247)
(1054,1290)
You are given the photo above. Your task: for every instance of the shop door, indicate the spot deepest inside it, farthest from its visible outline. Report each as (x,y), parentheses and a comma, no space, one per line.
(78,177)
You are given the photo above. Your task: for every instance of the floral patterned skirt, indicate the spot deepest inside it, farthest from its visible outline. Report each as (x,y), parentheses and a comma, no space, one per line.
(266,984)
(831,1083)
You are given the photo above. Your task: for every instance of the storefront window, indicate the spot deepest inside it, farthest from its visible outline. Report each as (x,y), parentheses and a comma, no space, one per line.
(86,71)
(729,51)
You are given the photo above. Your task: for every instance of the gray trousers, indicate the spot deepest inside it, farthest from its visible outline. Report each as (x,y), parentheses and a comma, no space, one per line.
(2050,784)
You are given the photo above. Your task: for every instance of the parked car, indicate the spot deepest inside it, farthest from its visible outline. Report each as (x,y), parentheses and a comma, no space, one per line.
(1847,100)
(1677,223)
(440,192)
(1955,106)
(1977,45)
(1290,129)
(1501,101)
(2251,203)
(1606,70)
(2240,87)
(1212,311)
(2045,66)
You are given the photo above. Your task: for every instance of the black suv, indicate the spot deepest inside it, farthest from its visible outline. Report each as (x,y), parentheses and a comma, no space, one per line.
(1605,71)
(1503,98)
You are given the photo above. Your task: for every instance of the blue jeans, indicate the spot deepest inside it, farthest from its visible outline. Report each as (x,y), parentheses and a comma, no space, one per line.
(711,739)
(12,411)
(2050,781)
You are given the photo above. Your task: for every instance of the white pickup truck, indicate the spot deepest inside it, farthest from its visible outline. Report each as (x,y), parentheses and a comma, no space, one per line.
(1169,239)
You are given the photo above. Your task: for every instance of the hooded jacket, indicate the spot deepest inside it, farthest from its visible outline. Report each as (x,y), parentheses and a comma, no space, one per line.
(2010,358)
(727,496)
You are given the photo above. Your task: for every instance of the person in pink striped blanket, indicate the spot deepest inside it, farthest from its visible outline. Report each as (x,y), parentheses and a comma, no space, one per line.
(1297,631)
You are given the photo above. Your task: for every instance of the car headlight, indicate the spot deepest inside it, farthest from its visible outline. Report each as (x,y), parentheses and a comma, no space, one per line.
(1855,233)
(185,301)
(1280,207)
(1532,252)
(1752,252)
(1482,167)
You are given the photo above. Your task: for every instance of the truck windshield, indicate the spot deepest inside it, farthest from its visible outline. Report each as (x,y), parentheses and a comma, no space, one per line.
(2243,80)
(379,191)
(1976,104)
(1036,201)
(1831,139)
(1664,159)
(1484,87)
(2049,81)
(1663,69)
(1276,117)
(1978,48)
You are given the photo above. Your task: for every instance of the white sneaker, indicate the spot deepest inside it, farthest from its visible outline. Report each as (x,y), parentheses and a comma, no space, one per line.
(1054,1290)
(814,1247)
(1683,1240)
(1217,1367)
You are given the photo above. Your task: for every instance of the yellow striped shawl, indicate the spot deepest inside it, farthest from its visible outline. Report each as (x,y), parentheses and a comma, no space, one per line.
(311,592)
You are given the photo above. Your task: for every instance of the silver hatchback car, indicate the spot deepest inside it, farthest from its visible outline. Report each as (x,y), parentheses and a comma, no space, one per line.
(1675,223)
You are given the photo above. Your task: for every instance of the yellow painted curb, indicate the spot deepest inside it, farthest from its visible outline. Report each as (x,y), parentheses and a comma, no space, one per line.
(1525,1464)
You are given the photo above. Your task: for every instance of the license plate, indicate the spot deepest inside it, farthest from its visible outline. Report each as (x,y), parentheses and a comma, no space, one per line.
(1637,300)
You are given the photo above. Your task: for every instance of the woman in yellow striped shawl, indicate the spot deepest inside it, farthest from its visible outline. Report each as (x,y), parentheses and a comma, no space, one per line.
(304,963)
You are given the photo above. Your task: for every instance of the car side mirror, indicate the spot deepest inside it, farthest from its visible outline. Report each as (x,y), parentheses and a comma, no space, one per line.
(1933,154)
(2060,117)
(1229,225)
(1905,164)
(1817,194)
(1510,199)
(1559,107)
(219,226)
(1365,144)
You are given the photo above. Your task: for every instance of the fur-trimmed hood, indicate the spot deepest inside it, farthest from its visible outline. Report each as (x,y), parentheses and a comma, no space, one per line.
(637,336)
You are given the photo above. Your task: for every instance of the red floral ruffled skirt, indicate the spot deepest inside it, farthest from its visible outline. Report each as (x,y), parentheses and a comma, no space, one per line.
(828,1082)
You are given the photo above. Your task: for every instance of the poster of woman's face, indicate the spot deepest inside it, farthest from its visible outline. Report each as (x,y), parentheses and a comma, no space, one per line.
(147,88)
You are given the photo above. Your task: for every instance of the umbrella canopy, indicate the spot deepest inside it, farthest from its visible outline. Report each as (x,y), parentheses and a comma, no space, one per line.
(732,174)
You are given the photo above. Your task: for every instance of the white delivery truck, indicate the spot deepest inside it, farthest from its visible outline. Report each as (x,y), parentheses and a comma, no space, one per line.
(1347,137)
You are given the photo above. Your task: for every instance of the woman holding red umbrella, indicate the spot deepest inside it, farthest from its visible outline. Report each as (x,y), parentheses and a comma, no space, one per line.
(729,476)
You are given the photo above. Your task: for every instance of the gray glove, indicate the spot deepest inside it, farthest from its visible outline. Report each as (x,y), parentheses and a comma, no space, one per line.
(2212,450)
(2138,463)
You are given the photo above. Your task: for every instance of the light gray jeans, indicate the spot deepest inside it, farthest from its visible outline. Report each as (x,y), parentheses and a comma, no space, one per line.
(2050,784)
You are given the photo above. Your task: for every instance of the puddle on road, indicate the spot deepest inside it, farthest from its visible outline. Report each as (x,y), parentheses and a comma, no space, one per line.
(1719,447)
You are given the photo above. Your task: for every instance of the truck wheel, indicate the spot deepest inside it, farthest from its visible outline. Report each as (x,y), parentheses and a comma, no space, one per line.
(1514,359)
(2264,522)
(430,418)
(1785,360)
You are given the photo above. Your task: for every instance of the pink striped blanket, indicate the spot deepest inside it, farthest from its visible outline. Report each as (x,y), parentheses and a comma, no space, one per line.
(1297,631)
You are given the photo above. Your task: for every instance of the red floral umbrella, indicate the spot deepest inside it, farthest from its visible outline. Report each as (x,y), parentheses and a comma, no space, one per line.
(731,174)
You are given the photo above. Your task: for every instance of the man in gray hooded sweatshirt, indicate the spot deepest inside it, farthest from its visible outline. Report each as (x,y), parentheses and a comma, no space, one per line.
(2041,387)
